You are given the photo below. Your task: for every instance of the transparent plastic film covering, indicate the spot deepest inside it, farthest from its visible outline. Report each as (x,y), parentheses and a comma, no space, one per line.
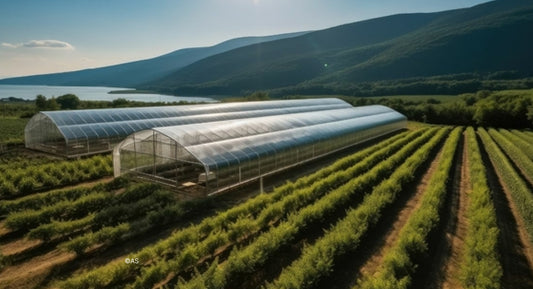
(215,156)
(75,133)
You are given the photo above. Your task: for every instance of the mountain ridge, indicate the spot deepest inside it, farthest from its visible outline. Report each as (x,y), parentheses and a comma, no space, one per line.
(134,73)
(489,38)
(422,49)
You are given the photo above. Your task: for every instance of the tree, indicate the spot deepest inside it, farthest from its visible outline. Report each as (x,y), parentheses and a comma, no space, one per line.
(52,104)
(68,101)
(120,102)
(258,95)
(40,102)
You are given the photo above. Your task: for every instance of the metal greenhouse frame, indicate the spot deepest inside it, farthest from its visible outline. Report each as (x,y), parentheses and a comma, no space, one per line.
(212,157)
(75,133)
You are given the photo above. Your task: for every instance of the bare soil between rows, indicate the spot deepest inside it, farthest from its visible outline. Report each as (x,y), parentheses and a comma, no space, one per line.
(54,264)
(514,247)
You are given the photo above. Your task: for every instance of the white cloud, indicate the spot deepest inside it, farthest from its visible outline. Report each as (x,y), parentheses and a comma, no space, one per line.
(52,44)
(9,45)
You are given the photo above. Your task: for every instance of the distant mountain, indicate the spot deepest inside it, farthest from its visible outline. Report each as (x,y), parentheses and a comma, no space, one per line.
(490,37)
(133,74)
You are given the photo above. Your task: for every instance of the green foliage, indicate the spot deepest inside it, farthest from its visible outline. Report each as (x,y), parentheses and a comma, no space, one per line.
(399,264)
(246,226)
(41,103)
(480,267)
(25,220)
(12,131)
(68,101)
(511,180)
(520,139)
(203,237)
(256,253)
(316,261)
(511,145)
(30,179)
(500,109)
(503,110)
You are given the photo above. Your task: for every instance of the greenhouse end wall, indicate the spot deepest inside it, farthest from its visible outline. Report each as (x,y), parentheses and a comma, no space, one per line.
(194,161)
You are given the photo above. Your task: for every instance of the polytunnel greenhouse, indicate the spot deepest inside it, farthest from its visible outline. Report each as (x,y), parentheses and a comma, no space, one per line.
(75,133)
(216,156)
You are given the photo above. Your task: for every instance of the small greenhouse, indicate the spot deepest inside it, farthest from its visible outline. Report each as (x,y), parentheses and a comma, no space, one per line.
(218,155)
(73,133)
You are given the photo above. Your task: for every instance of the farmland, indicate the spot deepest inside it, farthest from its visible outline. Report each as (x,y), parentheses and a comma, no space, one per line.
(431,206)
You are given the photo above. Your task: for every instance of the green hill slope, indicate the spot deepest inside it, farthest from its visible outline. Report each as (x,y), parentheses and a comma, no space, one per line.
(482,39)
(135,73)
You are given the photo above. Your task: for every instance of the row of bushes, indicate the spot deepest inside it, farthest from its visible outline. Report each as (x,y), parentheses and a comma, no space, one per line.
(26,180)
(527,136)
(69,209)
(480,266)
(36,201)
(516,154)
(28,219)
(400,262)
(276,211)
(117,272)
(521,195)
(520,140)
(127,230)
(15,161)
(111,215)
(249,258)
(317,260)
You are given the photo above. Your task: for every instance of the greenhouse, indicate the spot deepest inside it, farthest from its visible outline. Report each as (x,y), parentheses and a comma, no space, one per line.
(212,157)
(73,133)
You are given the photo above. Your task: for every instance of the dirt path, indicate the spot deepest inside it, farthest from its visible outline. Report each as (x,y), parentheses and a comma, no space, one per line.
(32,274)
(514,246)
(372,264)
(18,246)
(456,225)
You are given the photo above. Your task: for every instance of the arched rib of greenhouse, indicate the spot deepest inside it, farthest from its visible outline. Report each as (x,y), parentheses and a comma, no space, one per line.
(84,132)
(215,156)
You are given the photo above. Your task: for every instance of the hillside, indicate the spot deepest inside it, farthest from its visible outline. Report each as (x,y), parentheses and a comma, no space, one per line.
(487,38)
(135,73)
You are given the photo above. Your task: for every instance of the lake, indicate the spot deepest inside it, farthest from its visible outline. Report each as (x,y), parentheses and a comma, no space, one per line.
(29,92)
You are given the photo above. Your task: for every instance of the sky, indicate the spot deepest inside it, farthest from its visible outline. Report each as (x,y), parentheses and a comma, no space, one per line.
(49,36)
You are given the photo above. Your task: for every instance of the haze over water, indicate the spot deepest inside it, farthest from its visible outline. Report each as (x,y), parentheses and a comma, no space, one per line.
(29,92)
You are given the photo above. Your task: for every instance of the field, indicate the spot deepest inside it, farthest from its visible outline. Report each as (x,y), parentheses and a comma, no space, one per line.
(12,130)
(429,207)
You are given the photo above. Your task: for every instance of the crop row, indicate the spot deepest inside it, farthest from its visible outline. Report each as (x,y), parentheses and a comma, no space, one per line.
(126,230)
(112,215)
(522,197)
(208,229)
(246,226)
(524,135)
(39,200)
(14,162)
(353,159)
(515,153)
(399,263)
(480,266)
(519,142)
(23,181)
(317,260)
(73,209)
(252,256)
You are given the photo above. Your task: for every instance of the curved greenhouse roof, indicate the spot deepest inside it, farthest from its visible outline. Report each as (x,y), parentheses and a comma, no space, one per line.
(81,132)
(222,154)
